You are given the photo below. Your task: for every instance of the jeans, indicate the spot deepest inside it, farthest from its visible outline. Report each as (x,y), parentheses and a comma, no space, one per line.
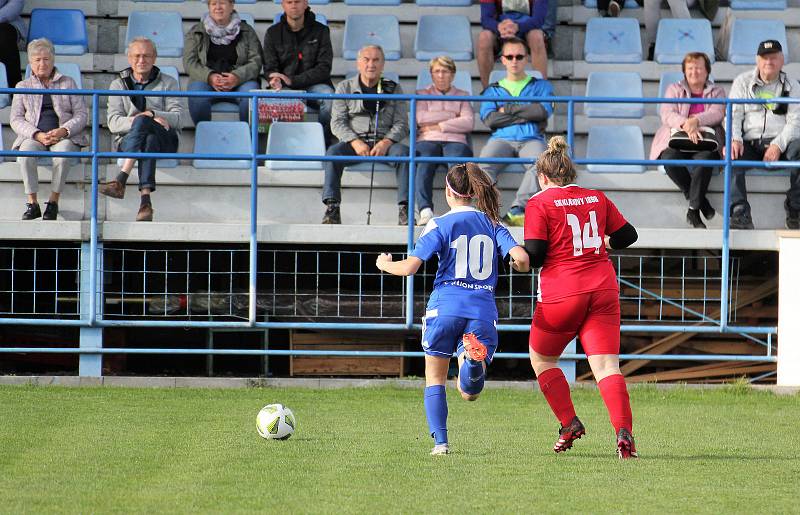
(426,171)
(324,107)
(550,19)
(200,107)
(332,188)
(692,181)
(753,151)
(509,148)
(147,135)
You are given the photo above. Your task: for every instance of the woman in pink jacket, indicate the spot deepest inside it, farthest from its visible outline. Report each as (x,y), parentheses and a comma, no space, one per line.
(46,122)
(442,128)
(692,181)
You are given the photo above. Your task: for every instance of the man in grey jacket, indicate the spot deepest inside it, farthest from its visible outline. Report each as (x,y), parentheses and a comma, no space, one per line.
(353,122)
(765,132)
(142,124)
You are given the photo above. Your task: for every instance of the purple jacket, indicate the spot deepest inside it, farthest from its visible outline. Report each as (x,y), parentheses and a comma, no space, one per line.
(71,110)
(673,115)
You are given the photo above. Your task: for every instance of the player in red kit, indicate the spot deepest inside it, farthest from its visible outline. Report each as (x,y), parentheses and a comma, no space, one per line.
(567,230)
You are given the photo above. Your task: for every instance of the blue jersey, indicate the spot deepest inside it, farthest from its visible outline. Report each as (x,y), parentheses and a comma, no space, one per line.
(468,246)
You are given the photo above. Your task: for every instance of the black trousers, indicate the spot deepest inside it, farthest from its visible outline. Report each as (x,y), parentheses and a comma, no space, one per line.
(754,151)
(693,180)
(9,53)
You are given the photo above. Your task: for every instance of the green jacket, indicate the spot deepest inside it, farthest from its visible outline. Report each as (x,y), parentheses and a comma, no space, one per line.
(248,53)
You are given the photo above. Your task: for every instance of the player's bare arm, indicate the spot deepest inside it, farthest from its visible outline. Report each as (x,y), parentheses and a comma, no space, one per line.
(408,266)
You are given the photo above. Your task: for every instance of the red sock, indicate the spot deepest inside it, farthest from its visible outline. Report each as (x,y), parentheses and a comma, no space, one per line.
(615,395)
(555,388)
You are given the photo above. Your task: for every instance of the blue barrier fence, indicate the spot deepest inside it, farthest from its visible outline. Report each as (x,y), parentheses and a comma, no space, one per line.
(92,322)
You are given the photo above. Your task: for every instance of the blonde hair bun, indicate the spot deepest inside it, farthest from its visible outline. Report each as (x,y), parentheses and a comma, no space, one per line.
(557,144)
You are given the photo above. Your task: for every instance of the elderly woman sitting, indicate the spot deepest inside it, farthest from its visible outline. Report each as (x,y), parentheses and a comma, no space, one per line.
(46,122)
(692,119)
(442,128)
(221,53)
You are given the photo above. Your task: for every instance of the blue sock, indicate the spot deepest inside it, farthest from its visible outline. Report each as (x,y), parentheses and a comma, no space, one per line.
(436,412)
(471,376)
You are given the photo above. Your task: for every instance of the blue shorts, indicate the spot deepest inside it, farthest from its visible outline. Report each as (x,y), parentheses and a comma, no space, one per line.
(441,335)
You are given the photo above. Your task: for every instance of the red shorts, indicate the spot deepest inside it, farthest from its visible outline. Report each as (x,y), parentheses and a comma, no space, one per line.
(593,317)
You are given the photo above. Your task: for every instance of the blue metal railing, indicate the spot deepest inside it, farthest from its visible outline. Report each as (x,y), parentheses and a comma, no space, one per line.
(92,319)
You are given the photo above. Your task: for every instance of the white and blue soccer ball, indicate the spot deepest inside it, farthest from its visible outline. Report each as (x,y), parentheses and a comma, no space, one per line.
(275,422)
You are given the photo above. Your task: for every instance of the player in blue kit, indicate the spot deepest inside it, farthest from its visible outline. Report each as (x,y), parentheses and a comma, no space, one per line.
(461,314)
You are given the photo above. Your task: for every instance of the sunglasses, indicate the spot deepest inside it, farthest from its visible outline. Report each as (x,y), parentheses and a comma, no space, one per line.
(515,57)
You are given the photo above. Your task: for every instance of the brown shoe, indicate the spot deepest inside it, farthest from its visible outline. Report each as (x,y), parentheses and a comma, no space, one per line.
(145,213)
(113,189)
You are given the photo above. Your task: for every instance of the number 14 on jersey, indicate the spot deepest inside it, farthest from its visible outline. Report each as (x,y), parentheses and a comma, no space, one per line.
(586,236)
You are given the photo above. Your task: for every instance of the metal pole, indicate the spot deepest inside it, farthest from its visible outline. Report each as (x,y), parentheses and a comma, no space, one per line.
(726,221)
(412,170)
(571,127)
(251,316)
(93,216)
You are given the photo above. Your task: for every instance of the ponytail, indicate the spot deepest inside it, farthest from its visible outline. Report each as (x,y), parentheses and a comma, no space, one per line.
(555,163)
(470,181)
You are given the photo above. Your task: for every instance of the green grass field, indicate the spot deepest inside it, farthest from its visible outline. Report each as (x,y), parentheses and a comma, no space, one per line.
(99,450)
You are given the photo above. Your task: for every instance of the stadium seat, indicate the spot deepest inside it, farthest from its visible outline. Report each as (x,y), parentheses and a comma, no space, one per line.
(69,69)
(372,2)
(317,16)
(246,1)
(372,29)
(222,138)
(498,75)
(295,138)
(612,40)
(667,78)
(444,3)
(760,5)
(462,80)
(248,18)
(629,4)
(676,38)
(65,28)
(747,34)
(172,72)
(165,28)
(614,84)
(615,142)
(432,41)
(5,99)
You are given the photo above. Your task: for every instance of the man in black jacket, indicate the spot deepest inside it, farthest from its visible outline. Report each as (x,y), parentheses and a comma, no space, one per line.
(298,55)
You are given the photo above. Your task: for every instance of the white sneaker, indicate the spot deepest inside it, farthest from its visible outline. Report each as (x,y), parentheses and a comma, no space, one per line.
(440,449)
(425,216)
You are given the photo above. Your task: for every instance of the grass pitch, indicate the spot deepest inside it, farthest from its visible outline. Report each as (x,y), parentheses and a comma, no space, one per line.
(100,450)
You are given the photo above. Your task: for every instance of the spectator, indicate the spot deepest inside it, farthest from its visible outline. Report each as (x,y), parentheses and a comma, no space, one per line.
(610,8)
(549,27)
(12,31)
(691,118)
(298,55)
(678,9)
(504,19)
(767,132)
(353,122)
(142,124)
(517,127)
(442,129)
(46,122)
(221,53)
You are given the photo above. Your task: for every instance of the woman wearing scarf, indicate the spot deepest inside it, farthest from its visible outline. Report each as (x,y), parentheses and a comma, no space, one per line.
(221,53)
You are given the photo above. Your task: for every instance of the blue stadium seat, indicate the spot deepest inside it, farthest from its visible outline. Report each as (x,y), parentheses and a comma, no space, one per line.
(5,99)
(317,16)
(667,78)
(172,72)
(676,38)
(295,138)
(432,40)
(760,5)
(311,2)
(65,28)
(222,138)
(444,3)
(462,80)
(372,2)
(498,75)
(246,1)
(248,18)
(615,142)
(614,84)
(69,69)
(165,28)
(372,29)
(629,4)
(747,34)
(612,40)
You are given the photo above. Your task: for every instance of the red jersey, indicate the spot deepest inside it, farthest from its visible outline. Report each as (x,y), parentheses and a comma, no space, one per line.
(574,221)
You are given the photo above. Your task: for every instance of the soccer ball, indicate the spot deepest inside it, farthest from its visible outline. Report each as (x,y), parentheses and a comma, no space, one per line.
(275,421)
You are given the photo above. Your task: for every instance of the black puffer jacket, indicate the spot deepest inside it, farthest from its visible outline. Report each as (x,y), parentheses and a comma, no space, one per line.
(282,55)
